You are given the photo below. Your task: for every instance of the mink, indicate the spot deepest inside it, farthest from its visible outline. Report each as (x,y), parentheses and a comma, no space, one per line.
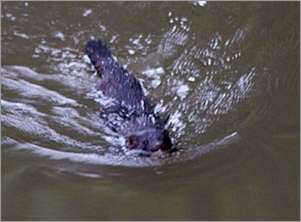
(131,113)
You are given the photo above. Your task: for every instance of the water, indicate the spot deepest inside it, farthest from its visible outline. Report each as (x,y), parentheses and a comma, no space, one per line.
(226,73)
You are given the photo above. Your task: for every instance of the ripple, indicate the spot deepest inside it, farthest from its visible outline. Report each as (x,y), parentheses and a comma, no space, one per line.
(205,73)
(125,160)
(64,126)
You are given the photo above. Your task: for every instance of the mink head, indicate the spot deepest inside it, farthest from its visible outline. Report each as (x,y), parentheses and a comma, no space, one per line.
(149,140)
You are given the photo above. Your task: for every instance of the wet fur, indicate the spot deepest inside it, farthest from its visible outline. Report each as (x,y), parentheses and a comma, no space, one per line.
(142,128)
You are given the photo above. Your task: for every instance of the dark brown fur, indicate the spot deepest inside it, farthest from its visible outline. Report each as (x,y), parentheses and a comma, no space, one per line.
(137,122)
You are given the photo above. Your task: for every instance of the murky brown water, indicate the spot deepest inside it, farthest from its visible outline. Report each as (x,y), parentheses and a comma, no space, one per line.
(227,73)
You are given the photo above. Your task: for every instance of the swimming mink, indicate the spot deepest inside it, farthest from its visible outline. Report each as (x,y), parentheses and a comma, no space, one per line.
(130,114)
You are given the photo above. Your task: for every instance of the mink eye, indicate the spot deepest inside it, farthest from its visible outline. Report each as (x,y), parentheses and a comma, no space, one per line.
(145,142)
(131,142)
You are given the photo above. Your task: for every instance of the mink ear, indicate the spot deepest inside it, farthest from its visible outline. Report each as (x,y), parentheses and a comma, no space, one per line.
(161,122)
(165,132)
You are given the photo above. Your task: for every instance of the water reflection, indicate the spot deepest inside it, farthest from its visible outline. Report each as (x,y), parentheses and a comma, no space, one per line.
(227,73)
(198,75)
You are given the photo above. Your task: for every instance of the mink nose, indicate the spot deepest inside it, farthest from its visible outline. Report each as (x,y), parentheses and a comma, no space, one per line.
(156,146)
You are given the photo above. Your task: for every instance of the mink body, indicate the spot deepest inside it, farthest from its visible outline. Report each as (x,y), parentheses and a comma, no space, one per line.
(130,113)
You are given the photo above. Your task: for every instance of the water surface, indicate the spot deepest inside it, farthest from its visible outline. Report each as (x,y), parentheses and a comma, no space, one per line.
(228,75)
